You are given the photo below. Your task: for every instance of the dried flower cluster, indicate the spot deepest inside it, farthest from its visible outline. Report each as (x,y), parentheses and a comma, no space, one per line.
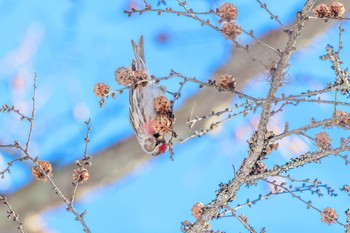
(329,216)
(321,11)
(332,10)
(80,175)
(125,76)
(227,13)
(197,210)
(101,90)
(163,124)
(268,148)
(342,119)
(164,120)
(231,29)
(322,140)
(337,9)
(39,174)
(162,105)
(227,82)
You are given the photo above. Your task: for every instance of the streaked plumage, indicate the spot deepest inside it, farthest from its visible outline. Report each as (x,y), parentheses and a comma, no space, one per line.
(141,106)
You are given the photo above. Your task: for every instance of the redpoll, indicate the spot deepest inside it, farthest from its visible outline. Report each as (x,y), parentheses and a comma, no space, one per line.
(142,112)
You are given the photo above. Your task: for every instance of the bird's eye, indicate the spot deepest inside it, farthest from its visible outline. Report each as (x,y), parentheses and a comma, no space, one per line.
(149,144)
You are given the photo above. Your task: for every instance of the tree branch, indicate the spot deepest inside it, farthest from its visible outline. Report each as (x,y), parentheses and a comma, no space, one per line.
(37,196)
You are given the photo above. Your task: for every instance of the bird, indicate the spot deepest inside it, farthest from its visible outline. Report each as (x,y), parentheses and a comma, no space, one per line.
(142,112)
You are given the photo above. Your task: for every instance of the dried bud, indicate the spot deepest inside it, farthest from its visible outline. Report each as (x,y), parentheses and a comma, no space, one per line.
(162,105)
(197,210)
(336,9)
(271,147)
(227,82)
(329,216)
(244,218)
(231,29)
(163,124)
(80,175)
(322,11)
(185,226)
(186,223)
(127,76)
(322,140)
(228,12)
(139,76)
(258,168)
(123,76)
(39,174)
(342,119)
(101,90)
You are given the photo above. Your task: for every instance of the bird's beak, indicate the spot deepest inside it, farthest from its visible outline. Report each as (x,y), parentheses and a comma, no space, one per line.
(159,139)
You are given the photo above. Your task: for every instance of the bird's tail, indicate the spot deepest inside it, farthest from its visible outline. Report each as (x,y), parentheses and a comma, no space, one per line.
(139,63)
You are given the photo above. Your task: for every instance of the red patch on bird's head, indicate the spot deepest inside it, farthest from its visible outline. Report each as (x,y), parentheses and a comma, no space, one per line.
(162,148)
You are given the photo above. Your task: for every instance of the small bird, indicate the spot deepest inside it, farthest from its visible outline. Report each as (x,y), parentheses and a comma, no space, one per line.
(142,112)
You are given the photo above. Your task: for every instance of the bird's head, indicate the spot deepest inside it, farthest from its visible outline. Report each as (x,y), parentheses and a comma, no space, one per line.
(155,145)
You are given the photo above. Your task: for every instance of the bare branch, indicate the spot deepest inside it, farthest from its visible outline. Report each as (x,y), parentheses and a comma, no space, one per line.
(11,214)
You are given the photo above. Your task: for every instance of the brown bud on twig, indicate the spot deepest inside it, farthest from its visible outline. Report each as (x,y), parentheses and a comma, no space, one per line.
(342,119)
(322,11)
(227,82)
(123,76)
(329,216)
(126,76)
(162,105)
(101,90)
(163,124)
(39,174)
(228,12)
(80,175)
(197,210)
(231,29)
(332,10)
(336,9)
(322,140)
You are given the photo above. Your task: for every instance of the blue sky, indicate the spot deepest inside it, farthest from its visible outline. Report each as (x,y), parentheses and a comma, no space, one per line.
(72,45)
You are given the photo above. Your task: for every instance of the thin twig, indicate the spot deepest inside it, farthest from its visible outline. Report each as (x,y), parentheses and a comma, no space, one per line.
(194,15)
(86,139)
(328,18)
(176,96)
(82,163)
(308,203)
(313,188)
(27,156)
(11,214)
(10,164)
(31,126)
(214,125)
(78,217)
(302,160)
(6,108)
(243,221)
(275,17)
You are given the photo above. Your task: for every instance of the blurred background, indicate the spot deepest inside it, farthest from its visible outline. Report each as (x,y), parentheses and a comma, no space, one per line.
(72,45)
